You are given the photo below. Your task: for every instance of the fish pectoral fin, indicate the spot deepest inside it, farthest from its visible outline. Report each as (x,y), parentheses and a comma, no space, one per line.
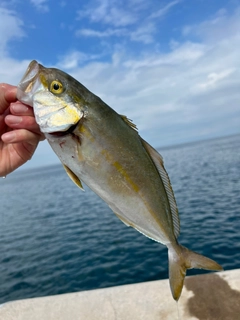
(158,161)
(129,122)
(73,177)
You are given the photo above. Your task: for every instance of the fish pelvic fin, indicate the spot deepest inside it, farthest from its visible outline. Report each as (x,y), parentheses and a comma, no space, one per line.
(73,177)
(181,259)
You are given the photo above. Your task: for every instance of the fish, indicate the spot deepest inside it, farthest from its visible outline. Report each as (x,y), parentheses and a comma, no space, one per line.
(103,149)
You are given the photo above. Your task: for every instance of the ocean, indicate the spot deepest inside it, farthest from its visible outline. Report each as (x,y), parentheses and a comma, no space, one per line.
(56,239)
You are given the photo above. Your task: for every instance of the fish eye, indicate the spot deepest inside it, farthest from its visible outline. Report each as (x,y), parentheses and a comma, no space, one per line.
(56,87)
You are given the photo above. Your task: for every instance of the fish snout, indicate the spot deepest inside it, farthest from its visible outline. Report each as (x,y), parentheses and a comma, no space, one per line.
(27,85)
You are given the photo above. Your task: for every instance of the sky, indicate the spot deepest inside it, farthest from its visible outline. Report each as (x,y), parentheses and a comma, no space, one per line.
(173,67)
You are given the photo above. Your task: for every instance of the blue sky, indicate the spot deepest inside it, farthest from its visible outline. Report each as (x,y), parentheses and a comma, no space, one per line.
(170,66)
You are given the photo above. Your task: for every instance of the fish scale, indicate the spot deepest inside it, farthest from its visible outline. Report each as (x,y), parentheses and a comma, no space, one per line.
(103,149)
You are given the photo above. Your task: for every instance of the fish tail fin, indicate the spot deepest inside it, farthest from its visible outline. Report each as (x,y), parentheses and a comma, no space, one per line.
(181,259)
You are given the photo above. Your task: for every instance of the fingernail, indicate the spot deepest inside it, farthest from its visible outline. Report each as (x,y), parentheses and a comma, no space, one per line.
(19,108)
(9,136)
(13,119)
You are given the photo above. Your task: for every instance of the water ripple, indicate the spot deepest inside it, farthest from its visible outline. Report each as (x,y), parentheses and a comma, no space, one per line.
(56,239)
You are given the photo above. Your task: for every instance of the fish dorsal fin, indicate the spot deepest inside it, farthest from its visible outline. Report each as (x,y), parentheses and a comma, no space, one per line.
(129,122)
(158,161)
(73,177)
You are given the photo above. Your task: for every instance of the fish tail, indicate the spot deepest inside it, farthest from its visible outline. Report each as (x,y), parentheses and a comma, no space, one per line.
(181,259)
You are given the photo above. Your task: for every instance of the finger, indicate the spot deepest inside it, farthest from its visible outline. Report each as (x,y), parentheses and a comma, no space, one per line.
(3,126)
(22,122)
(20,109)
(21,135)
(7,95)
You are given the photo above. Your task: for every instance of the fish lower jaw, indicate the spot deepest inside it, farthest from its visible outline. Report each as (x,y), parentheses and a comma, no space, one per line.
(62,133)
(57,134)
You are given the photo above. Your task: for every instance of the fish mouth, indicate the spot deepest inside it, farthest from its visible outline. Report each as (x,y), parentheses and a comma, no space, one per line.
(64,133)
(54,116)
(28,83)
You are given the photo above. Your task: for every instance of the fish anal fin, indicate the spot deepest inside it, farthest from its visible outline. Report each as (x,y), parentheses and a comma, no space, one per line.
(158,161)
(129,122)
(73,177)
(127,223)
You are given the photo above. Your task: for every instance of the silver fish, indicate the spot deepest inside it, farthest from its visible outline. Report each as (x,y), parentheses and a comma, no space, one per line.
(103,149)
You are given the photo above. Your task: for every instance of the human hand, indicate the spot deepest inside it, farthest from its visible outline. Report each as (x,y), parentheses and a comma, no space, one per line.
(19,131)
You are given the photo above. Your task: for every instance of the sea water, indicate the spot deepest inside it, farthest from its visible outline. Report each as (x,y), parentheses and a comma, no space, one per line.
(56,239)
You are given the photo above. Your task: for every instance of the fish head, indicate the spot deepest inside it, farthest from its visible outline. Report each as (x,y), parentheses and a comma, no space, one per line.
(57,105)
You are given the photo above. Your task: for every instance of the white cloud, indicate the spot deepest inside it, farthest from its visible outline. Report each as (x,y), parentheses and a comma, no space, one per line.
(144,34)
(222,25)
(189,93)
(41,5)
(184,53)
(123,13)
(111,12)
(11,70)
(101,34)
(164,10)
(74,59)
(214,77)
(11,28)
(130,19)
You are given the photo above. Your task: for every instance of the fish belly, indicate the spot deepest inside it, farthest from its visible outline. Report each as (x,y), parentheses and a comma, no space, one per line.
(127,181)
